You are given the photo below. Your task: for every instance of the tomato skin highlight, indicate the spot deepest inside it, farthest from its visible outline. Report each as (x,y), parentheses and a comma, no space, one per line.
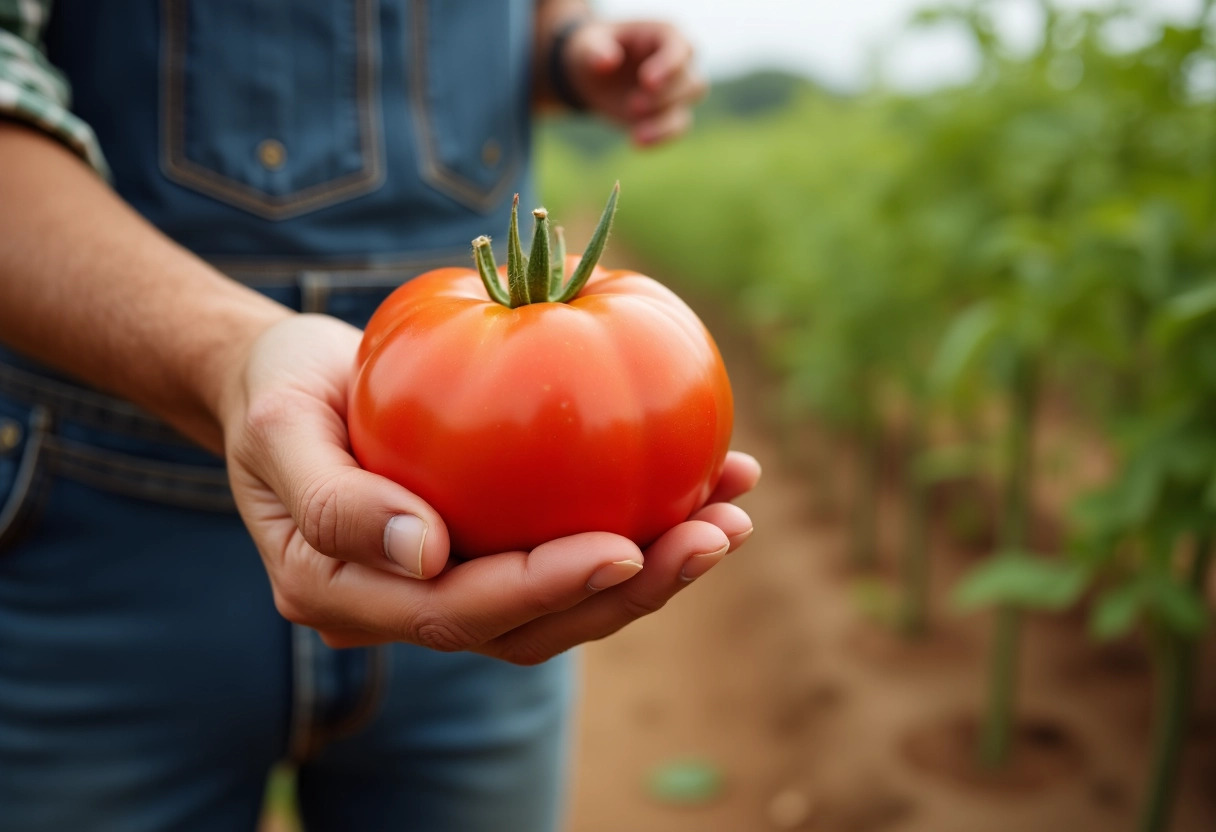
(609,413)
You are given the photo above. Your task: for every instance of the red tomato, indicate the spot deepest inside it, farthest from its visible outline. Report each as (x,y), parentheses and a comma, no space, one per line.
(612,412)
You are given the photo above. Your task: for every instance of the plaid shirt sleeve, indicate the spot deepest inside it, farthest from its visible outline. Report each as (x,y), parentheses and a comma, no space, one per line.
(31,89)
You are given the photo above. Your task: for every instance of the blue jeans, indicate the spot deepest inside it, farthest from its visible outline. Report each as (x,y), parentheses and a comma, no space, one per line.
(147,682)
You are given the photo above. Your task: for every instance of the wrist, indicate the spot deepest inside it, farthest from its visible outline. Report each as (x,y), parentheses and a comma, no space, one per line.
(560,82)
(225,383)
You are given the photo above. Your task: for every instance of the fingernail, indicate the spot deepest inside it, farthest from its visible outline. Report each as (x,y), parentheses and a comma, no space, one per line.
(698,565)
(403,539)
(739,539)
(613,574)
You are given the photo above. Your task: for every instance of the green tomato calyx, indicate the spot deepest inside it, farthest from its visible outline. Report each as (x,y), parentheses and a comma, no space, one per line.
(540,276)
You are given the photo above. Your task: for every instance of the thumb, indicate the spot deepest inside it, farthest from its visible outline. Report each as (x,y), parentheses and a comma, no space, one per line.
(295,446)
(594,46)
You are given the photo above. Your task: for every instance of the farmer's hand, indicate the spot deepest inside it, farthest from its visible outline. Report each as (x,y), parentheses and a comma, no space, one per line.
(639,74)
(364,561)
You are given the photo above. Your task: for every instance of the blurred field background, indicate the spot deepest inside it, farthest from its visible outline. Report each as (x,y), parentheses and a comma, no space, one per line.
(967,297)
(972,326)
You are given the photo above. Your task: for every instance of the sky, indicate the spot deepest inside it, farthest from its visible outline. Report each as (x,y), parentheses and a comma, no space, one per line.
(833,40)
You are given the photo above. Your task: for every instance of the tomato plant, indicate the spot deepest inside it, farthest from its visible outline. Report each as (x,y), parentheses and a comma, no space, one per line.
(547,408)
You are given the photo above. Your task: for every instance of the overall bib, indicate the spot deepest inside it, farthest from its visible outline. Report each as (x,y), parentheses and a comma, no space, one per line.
(322,151)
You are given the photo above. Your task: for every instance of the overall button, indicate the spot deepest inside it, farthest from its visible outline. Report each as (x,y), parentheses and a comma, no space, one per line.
(491,153)
(272,154)
(10,435)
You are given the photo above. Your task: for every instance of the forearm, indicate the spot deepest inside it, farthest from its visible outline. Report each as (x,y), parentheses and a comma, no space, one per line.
(87,286)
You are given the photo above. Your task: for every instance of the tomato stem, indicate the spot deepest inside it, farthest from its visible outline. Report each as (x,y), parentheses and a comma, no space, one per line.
(595,248)
(483,256)
(540,272)
(538,278)
(517,264)
(557,275)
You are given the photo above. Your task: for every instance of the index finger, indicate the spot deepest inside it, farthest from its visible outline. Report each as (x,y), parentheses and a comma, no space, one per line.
(739,476)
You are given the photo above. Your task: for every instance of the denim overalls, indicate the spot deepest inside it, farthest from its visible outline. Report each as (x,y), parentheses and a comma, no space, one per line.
(322,151)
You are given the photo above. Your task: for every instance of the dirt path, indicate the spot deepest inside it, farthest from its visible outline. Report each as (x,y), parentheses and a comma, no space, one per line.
(767,669)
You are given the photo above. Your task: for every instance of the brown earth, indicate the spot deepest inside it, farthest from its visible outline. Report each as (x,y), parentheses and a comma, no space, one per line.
(820,718)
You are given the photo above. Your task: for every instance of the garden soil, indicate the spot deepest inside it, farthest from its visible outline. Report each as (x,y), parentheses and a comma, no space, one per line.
(775,672)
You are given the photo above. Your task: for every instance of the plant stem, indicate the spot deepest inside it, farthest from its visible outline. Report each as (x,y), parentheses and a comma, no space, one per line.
(537,277)
(483,256)
(914,605)
(1176,689)
(997,731)
(822,464)
(517,263)
(865,520)
(557,275)
(540,272)
(595,248)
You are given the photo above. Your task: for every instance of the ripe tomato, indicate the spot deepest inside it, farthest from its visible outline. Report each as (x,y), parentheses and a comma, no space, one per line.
(611,412)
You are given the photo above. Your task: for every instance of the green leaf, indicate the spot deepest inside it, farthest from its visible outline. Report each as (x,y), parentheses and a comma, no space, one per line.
(965,341)
(1178,606)
(1117,611)
(1182,312)
(1162,596)
(1139,488)
(1023,580)
(685,782)
(1209,494)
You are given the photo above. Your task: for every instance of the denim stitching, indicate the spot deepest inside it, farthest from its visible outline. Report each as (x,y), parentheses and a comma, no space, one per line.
(74,404)
(304,695)
(379,659)
(181,169)
(138,467)
(357,273)
(17,506)
(185,486)
(433,171)
(314,291)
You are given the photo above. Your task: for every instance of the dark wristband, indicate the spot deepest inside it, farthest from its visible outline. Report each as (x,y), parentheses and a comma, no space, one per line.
(559,79)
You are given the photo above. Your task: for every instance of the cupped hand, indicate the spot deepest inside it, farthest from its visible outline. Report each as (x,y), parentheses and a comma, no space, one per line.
(364,561)
(639,74)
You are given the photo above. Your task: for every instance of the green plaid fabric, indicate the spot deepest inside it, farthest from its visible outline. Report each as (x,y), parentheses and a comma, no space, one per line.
(33,91)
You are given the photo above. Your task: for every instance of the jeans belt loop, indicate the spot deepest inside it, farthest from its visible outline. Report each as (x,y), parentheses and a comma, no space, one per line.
(315,288)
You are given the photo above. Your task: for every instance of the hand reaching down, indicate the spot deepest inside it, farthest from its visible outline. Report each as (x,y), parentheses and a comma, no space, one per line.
(639,74)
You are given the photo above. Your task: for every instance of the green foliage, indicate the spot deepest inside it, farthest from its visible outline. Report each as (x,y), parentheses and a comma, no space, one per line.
(1046,229)
(756,94)
(950,462)
(1022,580)
(1158,596)
(967,338)
(896,252)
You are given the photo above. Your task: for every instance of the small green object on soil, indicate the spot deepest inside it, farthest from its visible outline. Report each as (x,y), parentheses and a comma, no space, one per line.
(686,782)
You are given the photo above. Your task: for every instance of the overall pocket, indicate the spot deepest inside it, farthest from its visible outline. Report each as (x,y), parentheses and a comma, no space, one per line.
(22,431)
(469,92)
(272,106)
